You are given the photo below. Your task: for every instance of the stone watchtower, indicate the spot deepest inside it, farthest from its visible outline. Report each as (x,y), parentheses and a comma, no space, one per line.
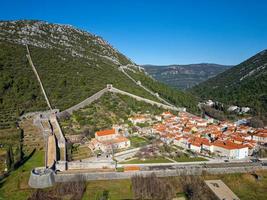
(109,87)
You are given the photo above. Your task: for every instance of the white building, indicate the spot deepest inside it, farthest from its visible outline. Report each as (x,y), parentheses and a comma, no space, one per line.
(181,142)
(260,136)
(138,119)
(108,140)
(230,150)
(106,134)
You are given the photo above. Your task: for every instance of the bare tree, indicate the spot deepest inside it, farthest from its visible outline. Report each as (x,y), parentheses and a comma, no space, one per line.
(195,188)
(151,187)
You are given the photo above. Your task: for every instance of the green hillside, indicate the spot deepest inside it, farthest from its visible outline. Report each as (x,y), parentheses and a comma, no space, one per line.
(72,64)
(242,85)
(103,113)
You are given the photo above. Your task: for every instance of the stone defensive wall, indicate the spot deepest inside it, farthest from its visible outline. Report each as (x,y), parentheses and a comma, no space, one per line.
(145,88)
(115,90)
(85,102)
(66,177)
(61,141)
(41,177)
(51,151)
(45,113)
(76,165)
(110,88)
(37,76)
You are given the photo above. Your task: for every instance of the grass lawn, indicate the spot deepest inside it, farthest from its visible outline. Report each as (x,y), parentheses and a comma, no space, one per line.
(138,141)
(245,186)
(188,159)
(16,186)
(148,160)
(82,152)
(118,189)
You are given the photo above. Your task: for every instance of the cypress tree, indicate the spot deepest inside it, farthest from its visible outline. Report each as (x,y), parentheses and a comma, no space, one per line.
(9,158)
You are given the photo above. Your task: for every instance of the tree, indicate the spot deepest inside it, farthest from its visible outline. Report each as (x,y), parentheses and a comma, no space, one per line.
(9,158)
(151,187)
(256,122)
(195,188)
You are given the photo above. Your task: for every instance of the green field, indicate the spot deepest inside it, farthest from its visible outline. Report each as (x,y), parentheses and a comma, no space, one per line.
(189,159)
(81,152)
(118,189)
(138,141)
(148,160)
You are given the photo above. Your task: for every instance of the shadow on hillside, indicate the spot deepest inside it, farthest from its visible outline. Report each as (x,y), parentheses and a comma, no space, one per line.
(16,166)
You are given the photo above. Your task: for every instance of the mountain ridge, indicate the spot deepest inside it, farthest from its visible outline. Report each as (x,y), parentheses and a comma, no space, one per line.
(244,84)
(184,76)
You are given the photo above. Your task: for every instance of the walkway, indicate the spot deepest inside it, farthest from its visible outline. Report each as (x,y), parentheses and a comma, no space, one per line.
(222,191)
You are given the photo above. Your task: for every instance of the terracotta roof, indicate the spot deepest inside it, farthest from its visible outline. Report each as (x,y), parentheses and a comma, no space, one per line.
(131,168)
(197,141)
(167,113)
(261,134)
(105,132)
(228,145)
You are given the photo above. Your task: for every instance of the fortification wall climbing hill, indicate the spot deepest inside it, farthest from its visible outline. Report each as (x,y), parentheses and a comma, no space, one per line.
(145,88)
(109,88)
(115,90)
(86,102)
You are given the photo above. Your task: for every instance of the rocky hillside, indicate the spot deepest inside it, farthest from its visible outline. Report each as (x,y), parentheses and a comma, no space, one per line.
(242,85)
(73,65)
(184,76)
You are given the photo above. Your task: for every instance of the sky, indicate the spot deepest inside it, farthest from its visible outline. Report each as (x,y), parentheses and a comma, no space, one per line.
(160,31)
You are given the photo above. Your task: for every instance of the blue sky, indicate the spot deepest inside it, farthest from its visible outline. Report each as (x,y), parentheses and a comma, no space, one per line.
(160,32)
